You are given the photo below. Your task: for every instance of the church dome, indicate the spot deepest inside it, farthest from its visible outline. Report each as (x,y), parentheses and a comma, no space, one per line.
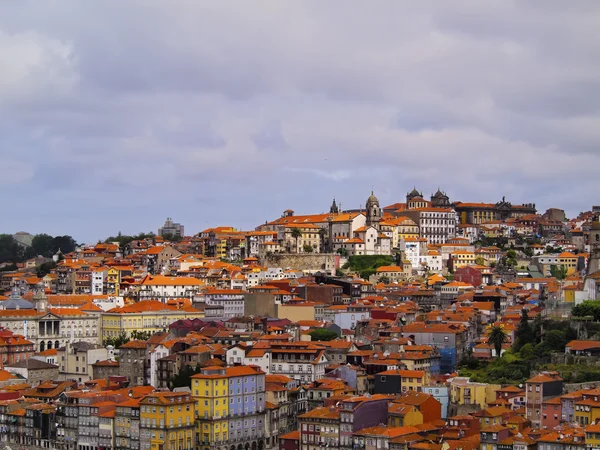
(372,199)
(16,302)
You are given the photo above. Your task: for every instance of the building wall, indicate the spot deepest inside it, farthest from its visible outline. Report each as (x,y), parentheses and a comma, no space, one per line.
(295,313)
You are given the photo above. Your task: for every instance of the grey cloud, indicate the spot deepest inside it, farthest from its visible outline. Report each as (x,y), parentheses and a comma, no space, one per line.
(221,112)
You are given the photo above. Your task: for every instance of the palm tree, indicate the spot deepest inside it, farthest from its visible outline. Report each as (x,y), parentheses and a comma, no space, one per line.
(296,233)
(497,337)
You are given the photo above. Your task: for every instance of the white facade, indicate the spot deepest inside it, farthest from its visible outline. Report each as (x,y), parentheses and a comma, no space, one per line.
(98,280)
(345,227)
(345,318)
(164,287)
(434,262)
(415,251)
(238,355)
(109,303)
(159,352)
(304,371)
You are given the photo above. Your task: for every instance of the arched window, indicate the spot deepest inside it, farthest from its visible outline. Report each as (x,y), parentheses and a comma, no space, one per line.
(49,345)
(42,346)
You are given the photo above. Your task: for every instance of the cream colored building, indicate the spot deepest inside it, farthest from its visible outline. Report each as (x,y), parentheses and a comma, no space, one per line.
(145,315)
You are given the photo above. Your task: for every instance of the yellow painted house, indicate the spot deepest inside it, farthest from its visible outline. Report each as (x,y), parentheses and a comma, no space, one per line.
(145,315)
(465,392)
(592,436)
(569,261)
(462,259)
(167,420)
(221,395)
(413,380)
(400,415)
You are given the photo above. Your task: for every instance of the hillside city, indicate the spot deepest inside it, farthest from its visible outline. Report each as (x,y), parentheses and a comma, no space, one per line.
(427,324)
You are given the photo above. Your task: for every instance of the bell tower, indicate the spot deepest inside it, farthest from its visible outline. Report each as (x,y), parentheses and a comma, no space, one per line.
(594,263)
(373,211)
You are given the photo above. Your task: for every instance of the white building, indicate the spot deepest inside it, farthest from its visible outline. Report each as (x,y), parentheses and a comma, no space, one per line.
(365,241)
(437,225)
(163,288)
(221,304)
(346,316)
(415,251)
(98,280)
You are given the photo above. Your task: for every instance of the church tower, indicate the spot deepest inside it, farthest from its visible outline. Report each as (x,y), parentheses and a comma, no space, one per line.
(594,263)
(334,208)
(373,211)
(39,300)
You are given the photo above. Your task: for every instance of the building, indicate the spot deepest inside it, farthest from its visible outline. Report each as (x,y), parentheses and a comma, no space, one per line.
(172,229)
(334,426)
(48,327)
(221,304)
(230,406)
(33,370)
(538,389)
(127,425)
(164,288)
(167,421)
(437,225)
(478,213)
(133,362)
(75,360)
(146,315)
(14,348)
(463,391)
(452,340)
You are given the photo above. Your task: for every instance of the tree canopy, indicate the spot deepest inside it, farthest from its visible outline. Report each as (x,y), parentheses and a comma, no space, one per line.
(322,334)
(589,308)
(42,244)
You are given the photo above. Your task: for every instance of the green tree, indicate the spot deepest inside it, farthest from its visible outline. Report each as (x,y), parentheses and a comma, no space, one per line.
(183,378)
(480,261)
(497,336)
(524,332)
(10,250)
(45,268)
(342,252)
(65,244)
(527,351)
(558,271)
(296,234)
(307,248)
(589,308)
(42,244)
(321,334)
(385,280)
(117,341)
(140,335)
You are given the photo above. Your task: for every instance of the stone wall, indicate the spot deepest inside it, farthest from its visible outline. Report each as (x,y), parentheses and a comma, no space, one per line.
(308,262)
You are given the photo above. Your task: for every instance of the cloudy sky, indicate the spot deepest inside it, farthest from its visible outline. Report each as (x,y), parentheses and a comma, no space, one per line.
(115,115)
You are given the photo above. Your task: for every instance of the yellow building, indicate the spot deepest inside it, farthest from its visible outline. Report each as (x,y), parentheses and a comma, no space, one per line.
(113,280)
(462,259)
(413,380)
(465,392)
(229,396)
(568,261)
(309,236)
(587,410)
(592,436)
(146,315)
(399,228)
(167,421)
(401,415)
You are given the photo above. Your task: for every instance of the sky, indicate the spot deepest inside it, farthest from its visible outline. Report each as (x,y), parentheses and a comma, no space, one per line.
(115,115)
